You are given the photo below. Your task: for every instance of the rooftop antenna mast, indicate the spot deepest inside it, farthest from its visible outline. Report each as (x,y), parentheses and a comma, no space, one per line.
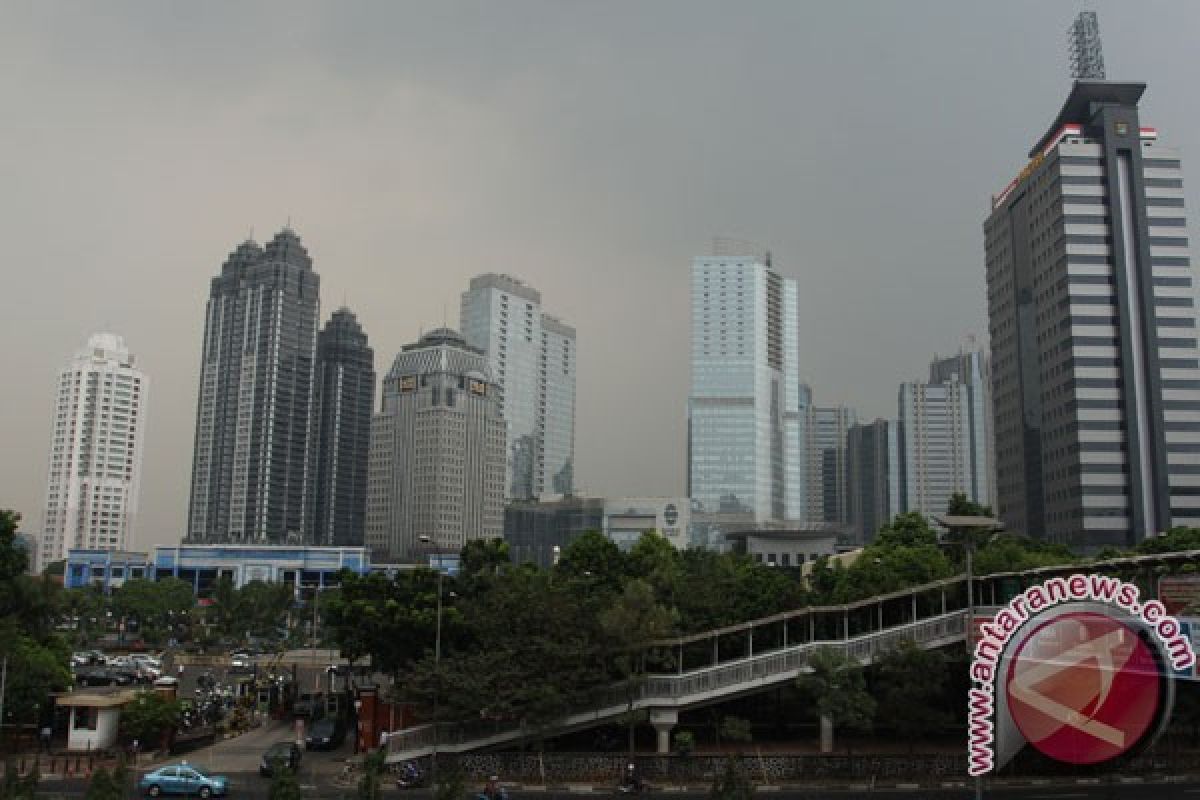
(1087,55)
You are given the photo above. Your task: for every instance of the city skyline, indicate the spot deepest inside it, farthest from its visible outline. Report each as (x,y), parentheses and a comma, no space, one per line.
(652,198)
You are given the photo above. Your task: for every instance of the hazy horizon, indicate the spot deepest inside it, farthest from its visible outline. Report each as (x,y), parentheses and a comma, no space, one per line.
(591,150)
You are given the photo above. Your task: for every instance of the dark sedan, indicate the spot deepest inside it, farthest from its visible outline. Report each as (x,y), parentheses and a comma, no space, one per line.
(281,755)
(326,734)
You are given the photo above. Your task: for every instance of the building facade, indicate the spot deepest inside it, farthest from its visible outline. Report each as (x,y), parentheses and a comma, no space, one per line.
(942,437)
(824,446)
(872,476)
(532,358)
(437,451)
(972,368)
(93,477)
(201,566)
(744,403)
(536,530)
(1093,331)
(345,385)
(253,466)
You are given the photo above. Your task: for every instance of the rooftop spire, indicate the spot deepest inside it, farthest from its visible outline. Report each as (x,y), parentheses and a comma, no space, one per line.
(1087,55)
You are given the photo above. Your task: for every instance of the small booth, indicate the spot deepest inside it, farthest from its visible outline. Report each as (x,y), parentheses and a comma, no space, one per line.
(94,715)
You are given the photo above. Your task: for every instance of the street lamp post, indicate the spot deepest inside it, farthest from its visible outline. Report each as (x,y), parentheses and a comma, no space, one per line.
(437,662)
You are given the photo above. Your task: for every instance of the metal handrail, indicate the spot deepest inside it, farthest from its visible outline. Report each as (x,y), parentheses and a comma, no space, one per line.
(689,687)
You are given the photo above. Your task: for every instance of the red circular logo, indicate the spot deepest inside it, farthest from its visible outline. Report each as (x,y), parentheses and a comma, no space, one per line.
(1083,688)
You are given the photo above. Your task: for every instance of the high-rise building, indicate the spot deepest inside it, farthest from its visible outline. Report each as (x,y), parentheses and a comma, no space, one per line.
(252,468)
(437,451)
(971,367)
(744,400)
(96,444)
(824,447)
(345,398)
(872,471)
(1093,331)
(532,356)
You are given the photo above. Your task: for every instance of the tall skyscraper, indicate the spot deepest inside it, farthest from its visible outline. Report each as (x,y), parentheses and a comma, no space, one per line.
(744,399)
(437,451)
(971,368)
(872,469)
(940,453)
(345,399)
(95,464)
(824,447)
(532,356)
(1093,327)
(252,469)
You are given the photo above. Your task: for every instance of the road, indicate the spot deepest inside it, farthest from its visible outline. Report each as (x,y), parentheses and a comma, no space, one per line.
(251,786)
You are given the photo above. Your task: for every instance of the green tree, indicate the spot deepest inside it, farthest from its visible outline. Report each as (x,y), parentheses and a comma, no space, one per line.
(910,690)
(1011,553)
(634,621)
(103,787)
(284,784)
(149,719)
(29,609)
(838,690)
(1173,541)
(731,783)
(260,607)
(14,786)
(595,556)
(152,605)
(370,784)
(962,506)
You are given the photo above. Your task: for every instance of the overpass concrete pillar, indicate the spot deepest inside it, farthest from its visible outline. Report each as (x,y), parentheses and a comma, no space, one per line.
(826,733)
(664,721)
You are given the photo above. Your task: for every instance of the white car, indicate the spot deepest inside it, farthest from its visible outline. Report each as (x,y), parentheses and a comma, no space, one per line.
(149,659)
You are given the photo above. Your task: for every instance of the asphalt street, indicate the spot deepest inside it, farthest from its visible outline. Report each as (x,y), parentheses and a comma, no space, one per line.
(251,786)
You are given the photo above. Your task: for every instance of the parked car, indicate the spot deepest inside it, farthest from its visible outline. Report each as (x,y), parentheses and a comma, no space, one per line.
(281,755)
(241,660)
(94,676)
(183,779)
(326,734)
(147,660)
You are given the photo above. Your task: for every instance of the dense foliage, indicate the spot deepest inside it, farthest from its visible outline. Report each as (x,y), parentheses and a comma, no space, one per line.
(29,610)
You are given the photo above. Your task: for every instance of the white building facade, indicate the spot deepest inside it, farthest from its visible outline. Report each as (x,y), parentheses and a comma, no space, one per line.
(532,357)
(95,465)
(436,464)
(744,405)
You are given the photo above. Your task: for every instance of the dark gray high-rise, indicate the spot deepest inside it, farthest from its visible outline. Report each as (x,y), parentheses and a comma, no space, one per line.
(1096,389)
(345,397)
(871,477)
(252,468)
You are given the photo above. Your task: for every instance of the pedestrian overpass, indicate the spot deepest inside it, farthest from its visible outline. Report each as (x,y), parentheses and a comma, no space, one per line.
(762,654)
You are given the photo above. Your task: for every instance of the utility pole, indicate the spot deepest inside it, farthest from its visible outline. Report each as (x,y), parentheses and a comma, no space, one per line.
(3,686)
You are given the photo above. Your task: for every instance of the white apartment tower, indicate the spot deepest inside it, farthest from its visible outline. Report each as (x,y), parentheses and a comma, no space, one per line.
(744,436)
(532,356)
(95,464)
(944,435)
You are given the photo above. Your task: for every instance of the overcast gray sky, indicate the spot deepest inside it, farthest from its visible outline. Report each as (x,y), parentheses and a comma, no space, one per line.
(589,148)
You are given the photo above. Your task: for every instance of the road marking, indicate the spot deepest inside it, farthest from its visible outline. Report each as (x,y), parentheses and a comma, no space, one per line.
(1048,796)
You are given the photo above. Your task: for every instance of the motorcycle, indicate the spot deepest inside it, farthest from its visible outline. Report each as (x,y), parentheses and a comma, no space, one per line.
(410,778)
(631,782)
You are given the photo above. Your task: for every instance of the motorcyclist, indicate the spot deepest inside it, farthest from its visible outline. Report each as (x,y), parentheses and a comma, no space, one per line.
(410,775)
(492,790)
(631,781)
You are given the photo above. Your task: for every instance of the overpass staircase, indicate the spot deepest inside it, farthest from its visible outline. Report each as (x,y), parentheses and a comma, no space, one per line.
(932,616)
